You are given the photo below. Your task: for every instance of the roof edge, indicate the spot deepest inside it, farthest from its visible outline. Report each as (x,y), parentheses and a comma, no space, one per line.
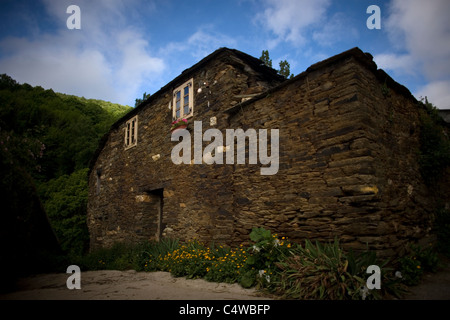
(365,59)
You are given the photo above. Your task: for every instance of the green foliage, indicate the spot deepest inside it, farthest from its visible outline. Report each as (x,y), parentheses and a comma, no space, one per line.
(265,58)
(285,68)
(442,230)
(265,253)
(25,234)
(226,264)
(318,272)
(313,271)
(145,96)
(118,257)
(195,260)
(414,264)
(385,90)
(411,270)
(51,137)
(65,200)
(434,144)
(325,271)
(69,127)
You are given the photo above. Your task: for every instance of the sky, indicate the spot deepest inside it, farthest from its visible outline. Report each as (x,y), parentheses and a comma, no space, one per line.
(127,47)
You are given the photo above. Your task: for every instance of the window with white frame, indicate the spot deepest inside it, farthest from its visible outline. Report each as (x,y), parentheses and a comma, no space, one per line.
(131,130)
(183,101)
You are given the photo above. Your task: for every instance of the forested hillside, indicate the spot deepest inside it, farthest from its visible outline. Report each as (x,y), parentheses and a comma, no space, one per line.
(46,142)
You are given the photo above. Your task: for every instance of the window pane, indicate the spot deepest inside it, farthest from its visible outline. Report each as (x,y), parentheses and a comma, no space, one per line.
(186,110)
(178,113)
(186,101)
(186,90)
(177,106)
(127,134)
(178,95)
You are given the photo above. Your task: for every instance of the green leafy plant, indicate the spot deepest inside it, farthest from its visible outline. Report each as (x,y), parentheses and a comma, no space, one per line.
(412,271)
(434,154)
(317,271)
(414,264)
(326,271)
(266,251)
(385,90)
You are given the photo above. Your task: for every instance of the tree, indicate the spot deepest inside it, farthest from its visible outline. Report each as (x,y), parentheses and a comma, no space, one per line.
(145,96)
(265,58)
(46,142)
(285,68)
(65,201)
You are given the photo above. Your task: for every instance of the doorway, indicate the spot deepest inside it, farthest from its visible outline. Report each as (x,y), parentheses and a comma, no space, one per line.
(154,214)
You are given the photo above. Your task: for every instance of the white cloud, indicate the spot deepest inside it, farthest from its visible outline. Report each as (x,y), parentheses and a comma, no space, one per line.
(204,41)
(336,30)
(420,30)
(423,29)
(201,43)
(107,59)
(403,64)
(288,19)
(438,93)
(198,45)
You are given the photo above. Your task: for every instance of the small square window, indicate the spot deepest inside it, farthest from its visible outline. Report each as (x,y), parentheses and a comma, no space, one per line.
(131,130)
(183,100)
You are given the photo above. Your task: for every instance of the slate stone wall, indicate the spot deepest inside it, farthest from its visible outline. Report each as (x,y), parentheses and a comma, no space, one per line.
(348,139)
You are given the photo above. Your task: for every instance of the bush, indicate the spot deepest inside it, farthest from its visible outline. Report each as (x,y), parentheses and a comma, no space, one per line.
(325,271)
(442,230)
(118,257)
(434,155)
(264,254)
(65,200)
(226,264)
(316,272)
(414,264)
(195,260)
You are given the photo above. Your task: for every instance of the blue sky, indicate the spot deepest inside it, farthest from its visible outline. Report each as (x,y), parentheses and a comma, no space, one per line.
(126,48)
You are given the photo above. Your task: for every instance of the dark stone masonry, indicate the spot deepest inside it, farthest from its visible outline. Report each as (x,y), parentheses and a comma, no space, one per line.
(348,166)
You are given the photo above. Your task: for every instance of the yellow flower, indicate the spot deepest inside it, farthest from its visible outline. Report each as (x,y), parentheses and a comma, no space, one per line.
(418,267)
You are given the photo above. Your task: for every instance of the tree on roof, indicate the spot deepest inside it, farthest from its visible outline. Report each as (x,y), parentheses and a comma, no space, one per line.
(145,96)
(285,68)
(265,58)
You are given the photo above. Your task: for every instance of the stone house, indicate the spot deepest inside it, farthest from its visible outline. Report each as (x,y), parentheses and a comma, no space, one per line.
(346,166)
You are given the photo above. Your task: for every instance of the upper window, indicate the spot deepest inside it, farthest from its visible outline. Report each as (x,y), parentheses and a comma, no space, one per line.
(183,100)
(131,129)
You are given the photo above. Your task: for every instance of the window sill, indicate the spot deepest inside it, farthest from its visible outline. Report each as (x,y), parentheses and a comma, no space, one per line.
(129,147)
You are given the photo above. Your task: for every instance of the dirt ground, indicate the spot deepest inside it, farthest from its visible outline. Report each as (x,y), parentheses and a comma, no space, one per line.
(127,285)
(132,285)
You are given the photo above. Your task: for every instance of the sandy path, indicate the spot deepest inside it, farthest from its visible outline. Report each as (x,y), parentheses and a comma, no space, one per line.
(127,285)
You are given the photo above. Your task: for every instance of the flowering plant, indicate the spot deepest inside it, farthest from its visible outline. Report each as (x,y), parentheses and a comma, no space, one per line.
(179,123)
